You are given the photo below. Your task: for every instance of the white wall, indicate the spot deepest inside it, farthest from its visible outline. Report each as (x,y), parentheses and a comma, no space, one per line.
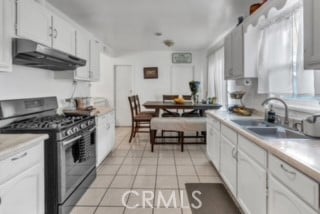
(148,89)
(26,82)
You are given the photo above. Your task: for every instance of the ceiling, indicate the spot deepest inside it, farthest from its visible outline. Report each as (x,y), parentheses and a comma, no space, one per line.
(130,25)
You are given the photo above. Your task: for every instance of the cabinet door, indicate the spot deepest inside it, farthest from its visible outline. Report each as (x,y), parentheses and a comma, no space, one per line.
(102,139)
(210,139)
(311,34)
(6,24)
(83,51)
(237,52)
(33,21)
(228,167)
(252,185)
(64,35)
(228,67)
(94,60)
(24,193)
(283,201)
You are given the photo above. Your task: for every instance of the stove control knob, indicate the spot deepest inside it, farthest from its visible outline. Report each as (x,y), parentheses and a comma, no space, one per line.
(83,126)
(69,132)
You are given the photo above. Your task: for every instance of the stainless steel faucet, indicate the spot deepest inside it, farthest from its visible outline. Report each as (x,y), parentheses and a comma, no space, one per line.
(286,117)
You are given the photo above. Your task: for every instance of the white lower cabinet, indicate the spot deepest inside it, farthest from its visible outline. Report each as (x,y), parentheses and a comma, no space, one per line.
(213,143)
(228,167)
(252,185)
(24,191)
(283,201)
(105,136)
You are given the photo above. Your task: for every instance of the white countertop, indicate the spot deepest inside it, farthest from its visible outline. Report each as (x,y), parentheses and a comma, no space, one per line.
(11,144)
(303,154)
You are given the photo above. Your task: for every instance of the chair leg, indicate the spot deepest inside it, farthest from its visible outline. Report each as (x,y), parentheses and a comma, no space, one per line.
(152,138)
(136,129)
(132,131)
(181,139)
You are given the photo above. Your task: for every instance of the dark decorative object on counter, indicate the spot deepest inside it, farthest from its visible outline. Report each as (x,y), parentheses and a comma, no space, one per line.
(150,73)
(194,87)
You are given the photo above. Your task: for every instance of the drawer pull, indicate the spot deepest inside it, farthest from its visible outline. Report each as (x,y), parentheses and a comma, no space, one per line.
(19,157)
(234,153)
(288,171)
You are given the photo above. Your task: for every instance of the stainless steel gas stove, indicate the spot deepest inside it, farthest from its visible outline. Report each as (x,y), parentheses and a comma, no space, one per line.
(70,157)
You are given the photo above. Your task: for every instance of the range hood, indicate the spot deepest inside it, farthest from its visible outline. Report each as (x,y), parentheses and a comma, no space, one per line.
(32,54)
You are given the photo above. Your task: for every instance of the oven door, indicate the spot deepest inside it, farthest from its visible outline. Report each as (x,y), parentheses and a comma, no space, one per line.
(77,158)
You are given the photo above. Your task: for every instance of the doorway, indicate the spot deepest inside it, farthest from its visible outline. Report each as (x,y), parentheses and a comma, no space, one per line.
(123,89)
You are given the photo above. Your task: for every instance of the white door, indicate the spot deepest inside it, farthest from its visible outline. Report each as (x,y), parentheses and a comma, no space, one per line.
(64,36)
(6,17)
(83,51)
(252,185)
(228,167)
(181,75)
(34,21)
(24,193)
(283,201)
(123,89)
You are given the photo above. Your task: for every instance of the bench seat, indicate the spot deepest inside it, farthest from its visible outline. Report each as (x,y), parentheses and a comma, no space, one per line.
(177,124)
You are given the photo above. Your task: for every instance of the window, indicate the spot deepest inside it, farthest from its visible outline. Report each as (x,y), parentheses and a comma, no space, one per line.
(217,86)
(281,70)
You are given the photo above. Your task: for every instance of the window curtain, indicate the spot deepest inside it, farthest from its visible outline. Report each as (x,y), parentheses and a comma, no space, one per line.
(280,61)
(216,84)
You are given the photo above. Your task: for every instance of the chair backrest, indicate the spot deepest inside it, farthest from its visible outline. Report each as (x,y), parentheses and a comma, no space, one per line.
(187,97)
(133,106)
(169,98)
(137,100)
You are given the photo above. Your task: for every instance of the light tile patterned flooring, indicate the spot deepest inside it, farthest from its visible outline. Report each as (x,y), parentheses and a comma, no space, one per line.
(134,167)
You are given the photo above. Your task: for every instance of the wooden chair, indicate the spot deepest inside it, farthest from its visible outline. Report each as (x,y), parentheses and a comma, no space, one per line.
(137,103)
(167,113)
(140,123)
(193,113)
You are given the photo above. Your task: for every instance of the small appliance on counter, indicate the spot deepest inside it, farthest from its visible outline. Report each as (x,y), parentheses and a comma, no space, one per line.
(310,126)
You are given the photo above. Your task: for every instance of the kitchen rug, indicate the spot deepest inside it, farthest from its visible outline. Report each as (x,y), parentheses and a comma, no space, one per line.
(214,198)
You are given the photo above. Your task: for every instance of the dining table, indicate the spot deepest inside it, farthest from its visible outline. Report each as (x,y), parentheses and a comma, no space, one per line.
(165,106)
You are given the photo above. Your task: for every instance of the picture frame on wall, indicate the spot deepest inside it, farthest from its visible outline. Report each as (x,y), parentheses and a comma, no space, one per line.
(181,58)
(150,73)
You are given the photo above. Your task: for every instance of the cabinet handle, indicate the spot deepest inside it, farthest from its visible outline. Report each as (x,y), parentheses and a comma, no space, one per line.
(287,171)
(233,153)
(19,157)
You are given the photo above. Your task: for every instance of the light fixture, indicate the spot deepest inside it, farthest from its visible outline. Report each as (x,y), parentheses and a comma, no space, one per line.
(169,43)
(158,34)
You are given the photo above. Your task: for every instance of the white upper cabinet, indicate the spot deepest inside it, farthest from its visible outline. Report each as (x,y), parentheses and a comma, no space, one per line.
(63,35)
(83,51)
(33,21)
(311,34)
(94,60)
(234,54)
(6,26)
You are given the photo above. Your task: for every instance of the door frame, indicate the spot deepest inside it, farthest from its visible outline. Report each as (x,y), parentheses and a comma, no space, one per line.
(115,84)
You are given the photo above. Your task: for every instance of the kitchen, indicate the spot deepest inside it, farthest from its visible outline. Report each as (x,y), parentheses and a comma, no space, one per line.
(67,69)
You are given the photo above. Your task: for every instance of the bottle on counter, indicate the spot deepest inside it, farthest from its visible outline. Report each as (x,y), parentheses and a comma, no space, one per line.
(271,115)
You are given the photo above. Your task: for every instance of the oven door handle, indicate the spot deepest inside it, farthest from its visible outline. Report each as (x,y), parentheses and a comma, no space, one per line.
(67,142)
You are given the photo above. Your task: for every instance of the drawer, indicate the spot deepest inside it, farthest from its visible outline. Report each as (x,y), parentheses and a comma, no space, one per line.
(229,134)
(21,161)
(303,186)
(253,151)
(213,123)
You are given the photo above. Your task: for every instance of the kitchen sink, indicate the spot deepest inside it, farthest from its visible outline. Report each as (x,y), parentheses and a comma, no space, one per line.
(249,123)
(276,132)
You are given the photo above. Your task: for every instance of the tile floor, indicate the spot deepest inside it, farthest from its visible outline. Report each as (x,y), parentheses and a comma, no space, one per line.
(134,167)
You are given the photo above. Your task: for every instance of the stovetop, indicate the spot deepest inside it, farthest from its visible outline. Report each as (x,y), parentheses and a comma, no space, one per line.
(56,122)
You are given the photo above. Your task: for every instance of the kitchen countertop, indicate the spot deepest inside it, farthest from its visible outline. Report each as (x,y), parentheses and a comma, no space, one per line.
(102,110)
(11,144)
(302,154)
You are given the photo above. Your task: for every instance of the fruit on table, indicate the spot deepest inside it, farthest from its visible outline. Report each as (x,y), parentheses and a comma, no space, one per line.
(179,101)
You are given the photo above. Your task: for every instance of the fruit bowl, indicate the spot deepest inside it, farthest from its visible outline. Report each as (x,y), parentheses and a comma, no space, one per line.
(179,101)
